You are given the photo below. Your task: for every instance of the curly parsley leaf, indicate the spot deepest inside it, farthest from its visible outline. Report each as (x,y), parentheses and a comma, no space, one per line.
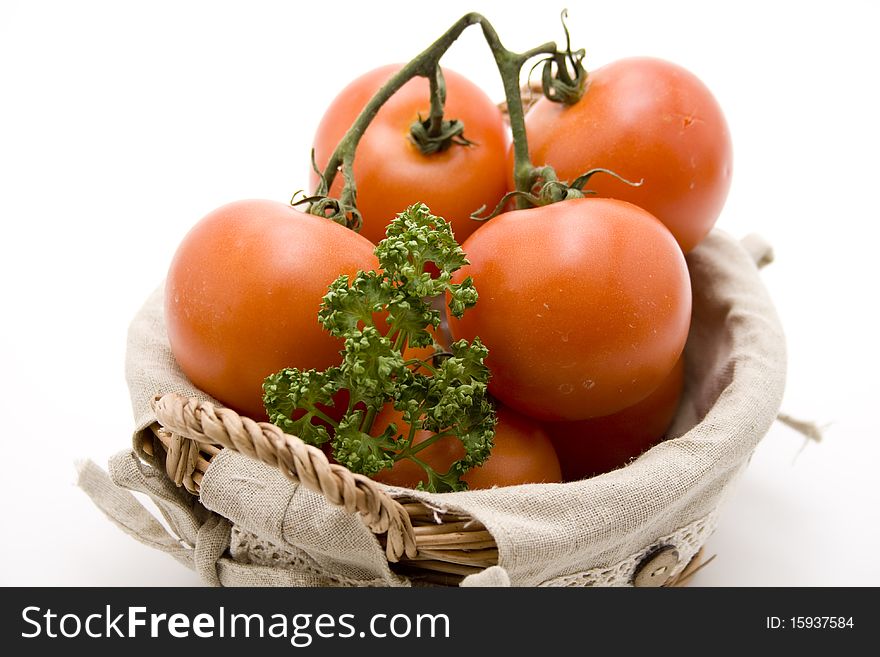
(361,452)
(371,367)
(348,305)
(416,262)
(292,399)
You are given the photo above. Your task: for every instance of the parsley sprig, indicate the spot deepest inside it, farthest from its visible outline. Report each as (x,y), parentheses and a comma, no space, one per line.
(449,398)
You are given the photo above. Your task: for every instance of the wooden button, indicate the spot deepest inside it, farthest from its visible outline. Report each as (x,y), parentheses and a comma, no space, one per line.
(656,568)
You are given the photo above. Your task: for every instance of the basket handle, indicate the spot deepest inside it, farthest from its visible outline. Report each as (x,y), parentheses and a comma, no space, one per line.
(205,423)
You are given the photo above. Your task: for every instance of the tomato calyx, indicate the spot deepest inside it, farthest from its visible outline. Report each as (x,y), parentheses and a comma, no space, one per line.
(557,82)
(436,134)
(330,208)
(342,210)
(547,189)
(449,133)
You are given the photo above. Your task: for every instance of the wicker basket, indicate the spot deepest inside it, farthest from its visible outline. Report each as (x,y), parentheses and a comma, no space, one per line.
(424,545)
(183,434)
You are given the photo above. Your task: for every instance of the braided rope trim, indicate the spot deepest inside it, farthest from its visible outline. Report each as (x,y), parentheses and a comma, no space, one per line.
(206,423)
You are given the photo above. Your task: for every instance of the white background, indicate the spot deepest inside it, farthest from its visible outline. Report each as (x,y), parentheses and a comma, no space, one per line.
(121,124)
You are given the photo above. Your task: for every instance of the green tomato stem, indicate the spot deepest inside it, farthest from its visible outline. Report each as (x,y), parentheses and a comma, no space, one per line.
(427,64)
(423,65)
(438,102)
(510,67)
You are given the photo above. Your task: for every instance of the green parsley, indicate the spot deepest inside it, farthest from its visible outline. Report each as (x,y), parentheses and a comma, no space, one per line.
(452,400)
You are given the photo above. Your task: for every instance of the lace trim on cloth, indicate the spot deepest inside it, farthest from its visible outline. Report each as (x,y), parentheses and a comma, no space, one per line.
(687,541)
(248,548)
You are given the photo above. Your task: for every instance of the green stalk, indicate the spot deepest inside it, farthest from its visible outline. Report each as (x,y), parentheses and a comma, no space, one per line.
(427,64)
(323,416)
(438,102)
(409,438)
(400,341)
(510,68)
(423,65)
(369,418)
(427,443)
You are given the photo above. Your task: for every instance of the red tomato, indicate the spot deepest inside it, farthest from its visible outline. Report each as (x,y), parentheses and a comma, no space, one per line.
(523,454)
(392,173)
(584,306)
(243,292)
(602,444)
(644,119)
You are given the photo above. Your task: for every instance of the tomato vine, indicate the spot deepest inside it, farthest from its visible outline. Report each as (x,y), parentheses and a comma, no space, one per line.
(437,133)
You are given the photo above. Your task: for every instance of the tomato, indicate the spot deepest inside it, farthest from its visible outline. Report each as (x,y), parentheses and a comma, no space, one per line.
(601,444)
(391,172)
(523,454)
(645,119)
(243,292)
(584,306)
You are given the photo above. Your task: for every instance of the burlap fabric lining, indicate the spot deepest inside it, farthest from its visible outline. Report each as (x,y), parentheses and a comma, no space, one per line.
(252,526)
